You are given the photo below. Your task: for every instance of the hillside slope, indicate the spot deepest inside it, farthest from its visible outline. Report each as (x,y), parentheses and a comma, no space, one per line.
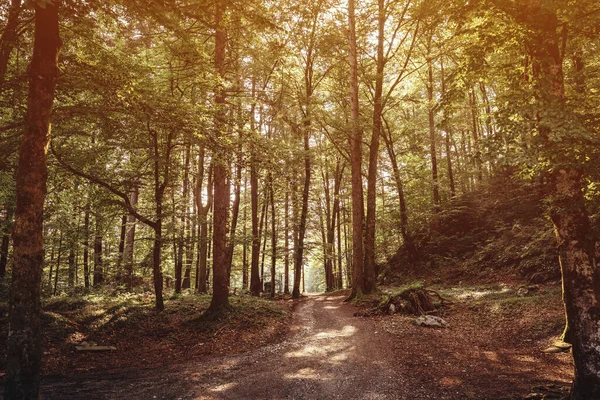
(498,230)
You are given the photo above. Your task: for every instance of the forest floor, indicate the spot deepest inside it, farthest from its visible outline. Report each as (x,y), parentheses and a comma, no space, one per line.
(492,350)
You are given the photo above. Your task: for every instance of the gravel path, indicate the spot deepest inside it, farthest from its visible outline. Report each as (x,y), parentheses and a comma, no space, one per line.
(329,355)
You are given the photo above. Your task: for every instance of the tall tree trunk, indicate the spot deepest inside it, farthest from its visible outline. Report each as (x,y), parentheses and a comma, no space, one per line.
(72,266)
(130,239)
(245,242)
(122,236)
(273,236)
(181,245)
(185,219)
(263,233)
(399,185)
(58,260)
(98,272)
(326,264)
(86,246)
(203,209)
(235,214)
(255,285)
(478,159)
(337,184)
(160,186)
(340,283)
(369,266)
(581,281)
(24,354)
(220,297)
(299,253)
(286,254)
(432,138)
(9,37)
(358,284)
(448,136)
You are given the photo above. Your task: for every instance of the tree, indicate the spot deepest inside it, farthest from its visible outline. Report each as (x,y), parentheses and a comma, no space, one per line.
(355,142)
(24,341)
(220,297)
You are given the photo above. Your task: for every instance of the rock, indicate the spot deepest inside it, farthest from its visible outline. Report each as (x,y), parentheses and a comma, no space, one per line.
(431,321)
(527,290)
(392,309)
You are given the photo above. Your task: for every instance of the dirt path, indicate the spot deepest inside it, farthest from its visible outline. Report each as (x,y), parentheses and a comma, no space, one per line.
(330,354)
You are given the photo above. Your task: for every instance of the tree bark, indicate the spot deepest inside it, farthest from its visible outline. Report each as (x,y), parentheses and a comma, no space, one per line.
(235,214)
(58,260)
(203,209)
(358,284)
(86,246)
(255,285)
(120,273)
(286,255)
(299,253)
(22,379)
(432,138)
(130,238)
(72,265)
(220,298)
(399,185)
(9,37)
(245,242)
(98,272)
(273,236)
(369,266)
(476,147)
(581,282)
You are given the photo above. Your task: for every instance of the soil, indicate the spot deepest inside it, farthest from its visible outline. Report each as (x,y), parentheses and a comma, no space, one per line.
(329,353)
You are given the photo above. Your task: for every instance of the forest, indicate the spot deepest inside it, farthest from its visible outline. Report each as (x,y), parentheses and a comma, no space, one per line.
(260,199)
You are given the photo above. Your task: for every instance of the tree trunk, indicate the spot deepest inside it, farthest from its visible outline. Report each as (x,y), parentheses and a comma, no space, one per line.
(72,265)
(255,285)
(340,283)
(264,219)
(432,146)
(86,246)
(156,268)
(98,272)
(203,209)
(273,236)
(120,273)
(286,255)
(358,285)
(220,297)
(9,37)
(185,219)
(245,242)
(369,266)
(399,186)
(478,159)
(23,354)
(130,238)
(299,253)
(234,215)
(581,283)
(58,260)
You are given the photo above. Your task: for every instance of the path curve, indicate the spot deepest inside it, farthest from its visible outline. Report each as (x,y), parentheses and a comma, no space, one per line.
(329,354)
